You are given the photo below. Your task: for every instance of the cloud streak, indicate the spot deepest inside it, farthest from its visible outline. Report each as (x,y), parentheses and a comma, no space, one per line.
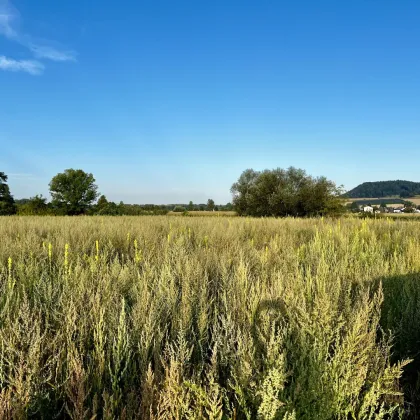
(29,66)
(7,15)
(50,53)
(10,29)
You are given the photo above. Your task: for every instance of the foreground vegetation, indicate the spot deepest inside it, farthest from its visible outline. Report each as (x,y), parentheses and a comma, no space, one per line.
(209,318)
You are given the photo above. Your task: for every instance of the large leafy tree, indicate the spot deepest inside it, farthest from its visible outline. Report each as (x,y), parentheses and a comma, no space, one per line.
(73,191)
(282,192)
(7,203)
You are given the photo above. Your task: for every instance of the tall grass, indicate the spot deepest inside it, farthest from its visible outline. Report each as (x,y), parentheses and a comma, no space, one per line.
(208,318)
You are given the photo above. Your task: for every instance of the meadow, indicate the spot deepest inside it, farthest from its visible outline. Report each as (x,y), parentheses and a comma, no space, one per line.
(203,213)
(391,201)
(164,317)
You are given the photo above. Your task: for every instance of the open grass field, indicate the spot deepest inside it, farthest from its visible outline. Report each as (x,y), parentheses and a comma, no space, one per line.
(415,200)
(204,213)
(209,318)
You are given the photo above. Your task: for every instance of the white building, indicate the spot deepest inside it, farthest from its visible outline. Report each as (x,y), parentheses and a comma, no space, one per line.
(368,209)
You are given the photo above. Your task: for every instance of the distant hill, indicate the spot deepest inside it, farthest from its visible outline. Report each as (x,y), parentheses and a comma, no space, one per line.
(379,189)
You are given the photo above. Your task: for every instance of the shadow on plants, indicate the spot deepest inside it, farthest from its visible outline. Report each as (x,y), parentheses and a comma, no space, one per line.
(400,314)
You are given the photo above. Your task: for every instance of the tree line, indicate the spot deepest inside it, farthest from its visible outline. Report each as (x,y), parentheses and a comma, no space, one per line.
(277,192)
(75,192)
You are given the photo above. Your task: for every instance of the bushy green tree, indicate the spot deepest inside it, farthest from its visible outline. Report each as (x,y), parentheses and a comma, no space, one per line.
(409,204)
(73,191)
(7,203)
(109,209)
(282,192)
(101,204)
(34,206)
(102,201)
(210,204)
(228,207)
(409,209)
(179,209)
(354,207)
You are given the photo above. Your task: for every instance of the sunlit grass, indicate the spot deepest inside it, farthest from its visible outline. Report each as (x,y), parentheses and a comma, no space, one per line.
(208,317)
(203,213)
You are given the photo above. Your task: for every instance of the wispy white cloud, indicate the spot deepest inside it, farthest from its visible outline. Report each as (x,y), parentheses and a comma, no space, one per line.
(29,66)
(8,17)
(50,53)
(41,50)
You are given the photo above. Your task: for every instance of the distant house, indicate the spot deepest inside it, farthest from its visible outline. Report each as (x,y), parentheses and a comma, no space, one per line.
(397,211)
(368,209)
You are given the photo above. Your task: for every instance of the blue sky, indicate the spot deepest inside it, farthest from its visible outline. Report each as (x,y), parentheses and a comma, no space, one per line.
(169,101)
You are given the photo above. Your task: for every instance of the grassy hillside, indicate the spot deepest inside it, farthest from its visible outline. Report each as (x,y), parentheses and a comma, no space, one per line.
(385,189)
(208,318)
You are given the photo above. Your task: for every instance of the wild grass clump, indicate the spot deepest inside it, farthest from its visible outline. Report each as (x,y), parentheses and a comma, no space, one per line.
(208,318)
